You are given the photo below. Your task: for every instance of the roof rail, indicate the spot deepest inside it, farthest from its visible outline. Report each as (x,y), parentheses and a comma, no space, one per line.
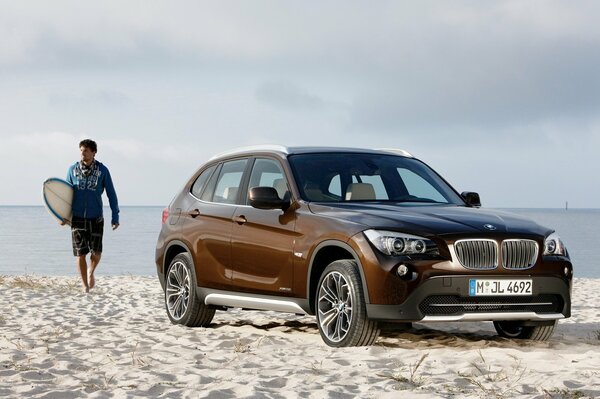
(397,151)
(240,150)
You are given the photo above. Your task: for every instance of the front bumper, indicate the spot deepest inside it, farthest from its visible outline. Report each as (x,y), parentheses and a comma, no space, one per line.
(446,298)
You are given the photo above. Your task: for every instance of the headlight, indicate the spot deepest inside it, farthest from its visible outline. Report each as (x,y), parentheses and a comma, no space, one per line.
(397,244)
(554,246)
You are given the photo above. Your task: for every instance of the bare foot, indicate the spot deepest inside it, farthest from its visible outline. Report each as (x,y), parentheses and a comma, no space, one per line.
(91,280)
(86,290)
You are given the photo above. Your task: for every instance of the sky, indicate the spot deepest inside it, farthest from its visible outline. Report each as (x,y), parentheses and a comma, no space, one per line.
(501,98)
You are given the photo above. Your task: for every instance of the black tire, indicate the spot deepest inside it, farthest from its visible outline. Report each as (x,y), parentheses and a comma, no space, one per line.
(517,330)
(182,304)
(340,307)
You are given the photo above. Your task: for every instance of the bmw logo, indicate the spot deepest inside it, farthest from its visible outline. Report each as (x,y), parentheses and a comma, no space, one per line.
(490,227)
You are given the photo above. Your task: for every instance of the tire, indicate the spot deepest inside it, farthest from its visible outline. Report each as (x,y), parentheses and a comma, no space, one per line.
(340,307)
(517,330)
(182,304)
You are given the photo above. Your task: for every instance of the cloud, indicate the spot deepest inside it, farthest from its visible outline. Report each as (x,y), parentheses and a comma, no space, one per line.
(89,98)
(286,94)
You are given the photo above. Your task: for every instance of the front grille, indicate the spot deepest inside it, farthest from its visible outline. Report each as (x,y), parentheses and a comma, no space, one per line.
(451,305)
(519,254)
(477,254)
(482,254)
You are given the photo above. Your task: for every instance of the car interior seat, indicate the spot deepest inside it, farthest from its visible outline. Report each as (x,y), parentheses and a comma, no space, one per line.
(360,191)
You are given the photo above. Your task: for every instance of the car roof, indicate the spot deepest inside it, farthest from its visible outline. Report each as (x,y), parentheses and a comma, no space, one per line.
(285,151)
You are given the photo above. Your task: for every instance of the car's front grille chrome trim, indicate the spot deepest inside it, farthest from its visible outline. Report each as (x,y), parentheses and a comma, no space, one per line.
(483,254)
(479,254)
(519,254)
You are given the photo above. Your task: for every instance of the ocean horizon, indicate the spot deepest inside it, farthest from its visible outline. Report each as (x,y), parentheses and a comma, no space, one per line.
(32,241)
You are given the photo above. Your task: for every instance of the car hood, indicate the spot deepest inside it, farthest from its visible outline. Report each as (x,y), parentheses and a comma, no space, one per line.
(431,220)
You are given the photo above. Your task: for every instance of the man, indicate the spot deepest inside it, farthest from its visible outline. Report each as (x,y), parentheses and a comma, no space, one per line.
(89,179)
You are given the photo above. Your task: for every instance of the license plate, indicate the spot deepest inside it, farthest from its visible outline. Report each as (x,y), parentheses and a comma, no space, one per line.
(502,287)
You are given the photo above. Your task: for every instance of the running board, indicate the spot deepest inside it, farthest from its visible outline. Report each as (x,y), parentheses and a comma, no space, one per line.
(253,302)
(496,316)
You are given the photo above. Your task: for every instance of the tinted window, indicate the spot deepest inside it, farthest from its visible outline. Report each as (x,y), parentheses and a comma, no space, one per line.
(337,177)
(268,173)
(200,182)
(228,183)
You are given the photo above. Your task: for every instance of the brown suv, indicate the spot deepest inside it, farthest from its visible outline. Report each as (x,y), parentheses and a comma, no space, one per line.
(354,237)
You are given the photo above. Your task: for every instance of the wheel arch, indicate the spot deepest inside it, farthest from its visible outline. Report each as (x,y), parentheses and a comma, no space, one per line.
(326,252)
(174,248)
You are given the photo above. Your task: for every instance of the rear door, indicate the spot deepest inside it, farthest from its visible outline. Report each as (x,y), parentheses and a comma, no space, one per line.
(209,222)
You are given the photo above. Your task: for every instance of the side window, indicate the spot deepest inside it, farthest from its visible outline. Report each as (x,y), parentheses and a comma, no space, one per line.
(200,182)
(228,183)
(419,187)
(335,186)
(268,173)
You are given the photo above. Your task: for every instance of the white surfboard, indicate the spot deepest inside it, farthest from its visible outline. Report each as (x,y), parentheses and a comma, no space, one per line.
(58,198)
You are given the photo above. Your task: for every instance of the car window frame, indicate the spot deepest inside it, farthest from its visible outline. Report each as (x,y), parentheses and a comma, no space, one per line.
(215,167)
(245,202)
(457,201)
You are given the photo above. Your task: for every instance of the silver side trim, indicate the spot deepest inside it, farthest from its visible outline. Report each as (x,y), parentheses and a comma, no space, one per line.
(470,305)
(496,317)
(237,301)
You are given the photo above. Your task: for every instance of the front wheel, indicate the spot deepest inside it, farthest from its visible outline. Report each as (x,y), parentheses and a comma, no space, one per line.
(341,309)
(183,306)
(519,330)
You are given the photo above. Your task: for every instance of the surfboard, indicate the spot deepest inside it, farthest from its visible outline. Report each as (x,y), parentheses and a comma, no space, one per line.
(58,198)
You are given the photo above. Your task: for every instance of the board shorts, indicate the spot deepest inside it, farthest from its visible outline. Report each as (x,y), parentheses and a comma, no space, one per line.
(87,235)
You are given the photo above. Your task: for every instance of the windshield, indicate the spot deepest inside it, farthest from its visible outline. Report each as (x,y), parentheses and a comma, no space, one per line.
(343,177)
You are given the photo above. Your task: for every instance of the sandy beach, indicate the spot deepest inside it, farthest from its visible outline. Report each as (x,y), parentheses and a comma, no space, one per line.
(117,342)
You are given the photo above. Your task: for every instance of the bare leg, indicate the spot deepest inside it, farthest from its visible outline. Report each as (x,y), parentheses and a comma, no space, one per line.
(82,267)
(94,260)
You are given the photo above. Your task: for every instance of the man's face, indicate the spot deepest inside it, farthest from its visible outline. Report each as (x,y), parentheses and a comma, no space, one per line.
(87,156)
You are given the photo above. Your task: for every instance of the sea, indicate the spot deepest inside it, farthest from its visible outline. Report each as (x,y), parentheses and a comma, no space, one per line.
(32,241)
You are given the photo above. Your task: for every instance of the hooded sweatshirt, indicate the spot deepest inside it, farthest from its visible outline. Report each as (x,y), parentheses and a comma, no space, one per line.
(89,184)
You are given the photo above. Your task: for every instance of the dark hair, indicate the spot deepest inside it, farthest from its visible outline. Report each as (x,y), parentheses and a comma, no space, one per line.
(87,143)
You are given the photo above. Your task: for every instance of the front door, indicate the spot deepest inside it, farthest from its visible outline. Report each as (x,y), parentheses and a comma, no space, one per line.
(262,241)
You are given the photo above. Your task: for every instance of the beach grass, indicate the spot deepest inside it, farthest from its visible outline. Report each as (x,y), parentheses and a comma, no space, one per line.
(33,282)
(493,381)
(409,376)
(563,394)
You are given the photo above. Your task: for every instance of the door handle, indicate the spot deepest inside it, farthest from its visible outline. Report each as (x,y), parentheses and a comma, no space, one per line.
(195,213)
(240,219)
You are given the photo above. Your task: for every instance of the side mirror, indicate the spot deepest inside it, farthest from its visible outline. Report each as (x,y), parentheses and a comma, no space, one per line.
(267,198)
(472,199)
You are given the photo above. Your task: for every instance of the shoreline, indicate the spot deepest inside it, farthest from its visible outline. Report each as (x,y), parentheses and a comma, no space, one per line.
(118,342)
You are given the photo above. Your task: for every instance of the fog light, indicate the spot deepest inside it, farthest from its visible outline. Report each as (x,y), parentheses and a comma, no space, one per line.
(402,270)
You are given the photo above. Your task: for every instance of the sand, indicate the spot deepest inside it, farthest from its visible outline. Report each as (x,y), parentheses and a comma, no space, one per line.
(56,342)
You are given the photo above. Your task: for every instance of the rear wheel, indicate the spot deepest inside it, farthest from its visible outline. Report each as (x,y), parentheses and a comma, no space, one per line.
(520,330)
(341,309)
(183,306)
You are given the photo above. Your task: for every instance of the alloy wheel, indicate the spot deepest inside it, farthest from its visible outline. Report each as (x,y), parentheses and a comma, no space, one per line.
(178,290)
(335,306)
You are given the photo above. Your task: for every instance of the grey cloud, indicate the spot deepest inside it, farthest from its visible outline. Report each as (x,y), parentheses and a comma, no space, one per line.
(498,87)
(286,94)
(89,98)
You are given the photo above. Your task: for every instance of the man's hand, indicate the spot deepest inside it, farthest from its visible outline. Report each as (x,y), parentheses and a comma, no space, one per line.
(115,225)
